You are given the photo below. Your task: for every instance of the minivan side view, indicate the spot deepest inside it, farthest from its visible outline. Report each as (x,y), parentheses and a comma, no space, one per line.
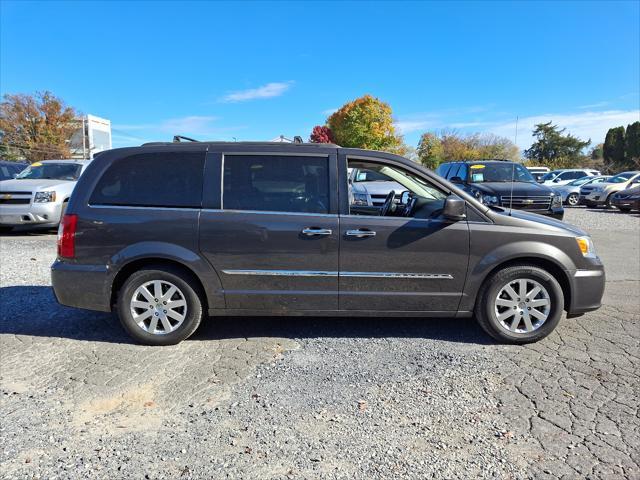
(167,234)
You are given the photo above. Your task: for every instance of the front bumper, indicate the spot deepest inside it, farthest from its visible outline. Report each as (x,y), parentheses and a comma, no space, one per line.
(31,214)
(593,198)
(81,286)
(587,289)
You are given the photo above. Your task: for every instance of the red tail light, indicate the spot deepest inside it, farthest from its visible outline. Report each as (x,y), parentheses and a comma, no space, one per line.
(67,236)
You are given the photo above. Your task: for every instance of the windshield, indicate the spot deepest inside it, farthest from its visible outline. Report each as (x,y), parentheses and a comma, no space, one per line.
(581,181)
(550,176)
(51,171)
(623,177)
(499,172)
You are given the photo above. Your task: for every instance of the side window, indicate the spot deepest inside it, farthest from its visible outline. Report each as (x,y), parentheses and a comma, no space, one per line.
(454,171)
(152,180)
(463,172)
(276,183)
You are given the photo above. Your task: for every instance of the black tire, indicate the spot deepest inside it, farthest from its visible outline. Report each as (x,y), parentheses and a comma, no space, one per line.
(5,229)
(190,290)
(573,200)
(485,310)
(607,203)
(624,209)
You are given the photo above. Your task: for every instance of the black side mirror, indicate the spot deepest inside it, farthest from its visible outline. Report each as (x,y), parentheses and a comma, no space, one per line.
(455,180)
(454,208)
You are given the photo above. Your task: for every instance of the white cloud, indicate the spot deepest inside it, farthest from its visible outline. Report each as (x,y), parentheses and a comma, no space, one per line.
(329,111)
(585,125)
(274,89)
(408,126)
(594,105)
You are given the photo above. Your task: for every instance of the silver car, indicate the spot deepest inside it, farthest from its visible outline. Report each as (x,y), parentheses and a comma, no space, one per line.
(368,188)
(38,196)
(571,191)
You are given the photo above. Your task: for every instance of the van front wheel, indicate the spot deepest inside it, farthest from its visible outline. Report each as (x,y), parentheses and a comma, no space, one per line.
(159,306)
(520,304)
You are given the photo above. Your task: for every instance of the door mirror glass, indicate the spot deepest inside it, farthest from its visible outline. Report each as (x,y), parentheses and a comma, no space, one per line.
(454,208)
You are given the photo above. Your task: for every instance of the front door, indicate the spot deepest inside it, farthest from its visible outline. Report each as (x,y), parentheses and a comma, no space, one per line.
(405,260)
(274,241)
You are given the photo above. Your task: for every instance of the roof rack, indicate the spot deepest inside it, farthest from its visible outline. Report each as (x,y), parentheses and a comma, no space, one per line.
(180,138)
(217,142)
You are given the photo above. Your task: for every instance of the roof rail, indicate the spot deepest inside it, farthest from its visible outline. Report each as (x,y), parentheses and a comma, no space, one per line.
(180,138)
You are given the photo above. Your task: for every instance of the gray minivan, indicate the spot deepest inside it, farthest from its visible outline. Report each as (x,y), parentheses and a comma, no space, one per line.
(168,233)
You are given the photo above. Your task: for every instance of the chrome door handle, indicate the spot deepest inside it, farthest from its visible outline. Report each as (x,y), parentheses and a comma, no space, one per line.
(310,231)
(360,233)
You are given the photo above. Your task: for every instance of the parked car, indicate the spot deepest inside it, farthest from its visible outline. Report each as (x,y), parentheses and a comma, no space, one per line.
(602,194)
(538,172)
(369,188)
(39,194)
(168,233)
(9,170)
(627,200)
(567,175)
(571,191)
(490,181)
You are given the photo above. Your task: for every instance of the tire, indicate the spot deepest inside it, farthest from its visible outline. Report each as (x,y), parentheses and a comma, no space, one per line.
(487,311)
(607,203)
(4,229)
(187,291)
(573,200)
(624,209)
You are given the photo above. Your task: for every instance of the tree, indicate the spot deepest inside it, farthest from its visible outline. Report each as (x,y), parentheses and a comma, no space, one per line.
(552,144)
(366,122)
(613,150)
(36,127)
(321,134)
(430,151)
(632,145)
(597,152)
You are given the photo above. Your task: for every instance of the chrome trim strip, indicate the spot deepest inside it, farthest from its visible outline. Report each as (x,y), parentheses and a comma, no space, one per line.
(320,273)
(283,273)
(270,212)
(588,273)
(138,207)
(429,276)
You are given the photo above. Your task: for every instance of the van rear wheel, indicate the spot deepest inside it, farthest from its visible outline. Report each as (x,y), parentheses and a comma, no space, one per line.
(520,304)
(159,306)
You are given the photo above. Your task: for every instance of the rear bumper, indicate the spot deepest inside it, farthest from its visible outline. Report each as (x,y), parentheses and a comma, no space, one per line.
(81,286)
(31,214)
(587,289)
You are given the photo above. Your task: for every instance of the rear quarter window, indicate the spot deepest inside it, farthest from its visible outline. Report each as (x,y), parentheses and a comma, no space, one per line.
(165,179)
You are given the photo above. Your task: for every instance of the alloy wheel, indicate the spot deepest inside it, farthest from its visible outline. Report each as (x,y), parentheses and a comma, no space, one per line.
(522,305)
(573,199)
(158,307)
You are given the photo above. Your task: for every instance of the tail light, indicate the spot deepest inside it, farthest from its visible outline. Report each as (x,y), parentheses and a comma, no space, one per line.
(67,236)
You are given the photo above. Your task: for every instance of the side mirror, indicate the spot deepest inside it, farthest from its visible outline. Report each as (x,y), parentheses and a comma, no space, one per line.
(455,180)
(404,198)
(454,208)
(556,180)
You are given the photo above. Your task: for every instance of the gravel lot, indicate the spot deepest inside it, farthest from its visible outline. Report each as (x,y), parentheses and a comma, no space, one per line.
(319,398)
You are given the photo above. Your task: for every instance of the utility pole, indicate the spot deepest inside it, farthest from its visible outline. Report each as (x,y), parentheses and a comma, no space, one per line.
(84,146)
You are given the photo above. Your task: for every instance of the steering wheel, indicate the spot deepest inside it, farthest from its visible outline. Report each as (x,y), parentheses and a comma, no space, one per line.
(411,204)
(386,206)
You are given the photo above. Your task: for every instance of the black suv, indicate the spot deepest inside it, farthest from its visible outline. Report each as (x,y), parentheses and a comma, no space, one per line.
(490,181)
(167,234)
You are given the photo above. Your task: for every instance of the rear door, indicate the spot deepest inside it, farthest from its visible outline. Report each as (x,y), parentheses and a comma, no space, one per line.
(270,228)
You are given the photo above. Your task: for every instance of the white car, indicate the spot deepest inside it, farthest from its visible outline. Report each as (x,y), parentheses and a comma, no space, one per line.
(38,196)
(567,175)
(538,172)
(368,188)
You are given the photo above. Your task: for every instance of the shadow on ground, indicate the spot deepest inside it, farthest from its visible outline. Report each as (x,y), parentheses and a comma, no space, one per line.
(33,311)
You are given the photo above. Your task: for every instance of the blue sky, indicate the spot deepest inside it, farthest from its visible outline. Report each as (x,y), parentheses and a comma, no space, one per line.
(253,71)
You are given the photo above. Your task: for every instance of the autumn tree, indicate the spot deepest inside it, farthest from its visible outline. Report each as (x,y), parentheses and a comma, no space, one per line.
(366,122)
(321,134)
(36,127)
(632,145)
(613,149)
(553,144)
(430,151)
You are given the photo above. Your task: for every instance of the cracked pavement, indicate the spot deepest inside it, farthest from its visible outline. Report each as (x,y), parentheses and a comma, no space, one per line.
(319,398)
